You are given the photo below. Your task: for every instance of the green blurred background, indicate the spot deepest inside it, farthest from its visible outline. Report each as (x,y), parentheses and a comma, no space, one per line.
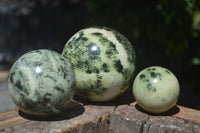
(163,32)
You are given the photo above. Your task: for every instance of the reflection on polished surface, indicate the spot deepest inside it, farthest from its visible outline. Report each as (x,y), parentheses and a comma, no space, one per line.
(94,51)
(41,83)
(156,89)
(93,48)
(38,70)
(103,61)
(155,80)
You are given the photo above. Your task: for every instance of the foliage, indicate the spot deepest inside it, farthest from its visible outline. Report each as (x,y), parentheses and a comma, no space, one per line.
(162,32)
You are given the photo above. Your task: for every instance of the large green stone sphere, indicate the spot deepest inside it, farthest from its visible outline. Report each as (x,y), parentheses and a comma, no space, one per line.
(156,89)
(41,82)
(103,61)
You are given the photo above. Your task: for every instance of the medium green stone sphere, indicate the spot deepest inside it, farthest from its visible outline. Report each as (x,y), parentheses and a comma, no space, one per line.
(41,82)
(103,61)
(156,89)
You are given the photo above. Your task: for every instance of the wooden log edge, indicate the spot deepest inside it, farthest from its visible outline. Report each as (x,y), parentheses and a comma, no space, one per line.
(90,117)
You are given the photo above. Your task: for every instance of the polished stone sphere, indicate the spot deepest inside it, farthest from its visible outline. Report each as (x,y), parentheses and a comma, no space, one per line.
(103,61)
(41,82)
(156,89)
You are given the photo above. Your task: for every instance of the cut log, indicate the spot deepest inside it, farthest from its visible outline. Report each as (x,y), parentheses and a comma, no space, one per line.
(103,118)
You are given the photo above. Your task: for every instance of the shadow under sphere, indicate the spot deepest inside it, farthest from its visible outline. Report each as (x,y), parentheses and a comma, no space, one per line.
(74,109)
(174,110)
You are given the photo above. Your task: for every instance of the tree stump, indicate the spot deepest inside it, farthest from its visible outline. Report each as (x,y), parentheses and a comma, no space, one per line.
(103,118)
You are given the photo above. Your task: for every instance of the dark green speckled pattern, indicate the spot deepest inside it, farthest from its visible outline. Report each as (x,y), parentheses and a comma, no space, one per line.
(41,82)
(156,89)
(103,61)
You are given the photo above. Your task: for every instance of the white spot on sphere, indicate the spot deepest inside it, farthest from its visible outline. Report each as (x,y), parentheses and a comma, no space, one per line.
(38,70)
(41,94)
(155,80)
(103,62)
(93,48)
(157,92)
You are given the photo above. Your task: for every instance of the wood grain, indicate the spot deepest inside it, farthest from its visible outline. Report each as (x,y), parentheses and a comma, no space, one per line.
(188,113)
(10,118)
(103,118)
(180,112)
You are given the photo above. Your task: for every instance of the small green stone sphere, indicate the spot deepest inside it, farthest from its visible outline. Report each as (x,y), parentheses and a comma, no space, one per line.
(103,61)
(156,89)
(41,82)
